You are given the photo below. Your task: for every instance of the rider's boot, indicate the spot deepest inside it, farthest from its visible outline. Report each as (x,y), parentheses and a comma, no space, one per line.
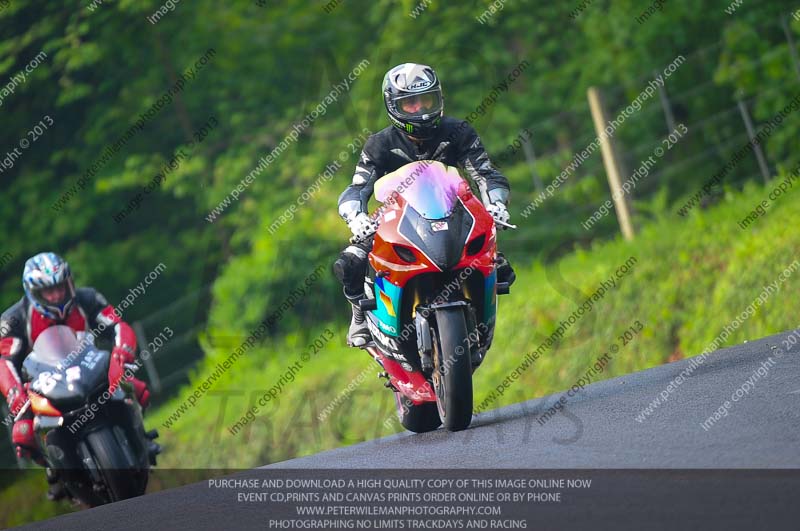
(505,273)
(358,334)
(55,490)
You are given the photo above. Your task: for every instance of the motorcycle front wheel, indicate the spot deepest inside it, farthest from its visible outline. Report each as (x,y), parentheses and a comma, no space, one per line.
(122,478)
(452,373)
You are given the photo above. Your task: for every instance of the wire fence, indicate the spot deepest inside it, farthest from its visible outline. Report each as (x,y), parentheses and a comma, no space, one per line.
(708,145)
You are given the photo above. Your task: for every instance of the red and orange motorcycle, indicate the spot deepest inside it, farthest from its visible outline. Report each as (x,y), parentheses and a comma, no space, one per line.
(431,292)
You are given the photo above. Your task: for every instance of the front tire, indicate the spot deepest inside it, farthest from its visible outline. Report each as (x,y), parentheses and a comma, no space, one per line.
(452,377)
(122,478)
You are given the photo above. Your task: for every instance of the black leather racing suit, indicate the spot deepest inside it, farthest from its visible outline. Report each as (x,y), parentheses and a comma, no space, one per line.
(455,144)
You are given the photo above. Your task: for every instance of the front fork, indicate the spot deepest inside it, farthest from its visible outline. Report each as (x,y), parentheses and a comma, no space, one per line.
(479,335)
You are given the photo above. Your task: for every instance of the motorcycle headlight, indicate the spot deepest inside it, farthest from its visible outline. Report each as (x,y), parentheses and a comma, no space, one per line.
(475,246)
(405,254)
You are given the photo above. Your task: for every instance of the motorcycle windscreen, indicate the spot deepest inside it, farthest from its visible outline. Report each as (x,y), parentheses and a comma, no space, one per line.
(429,187)
(55,344)
(63,368)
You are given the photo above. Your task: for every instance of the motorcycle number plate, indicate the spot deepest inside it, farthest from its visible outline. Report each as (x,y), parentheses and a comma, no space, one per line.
(437,226)
(73,373)
(46,382)
(91,360)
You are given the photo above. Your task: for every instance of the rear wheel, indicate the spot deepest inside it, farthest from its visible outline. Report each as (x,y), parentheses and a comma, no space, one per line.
(452,373)
(122,478)
(417,418)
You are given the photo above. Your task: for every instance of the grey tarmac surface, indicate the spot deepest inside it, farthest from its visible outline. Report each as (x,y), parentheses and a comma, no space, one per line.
(596,435)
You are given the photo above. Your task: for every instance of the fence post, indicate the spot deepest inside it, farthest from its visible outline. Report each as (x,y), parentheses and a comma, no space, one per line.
(611,164)
(662,95)
(149,365)
(748,123)
(792,48)
(530,156)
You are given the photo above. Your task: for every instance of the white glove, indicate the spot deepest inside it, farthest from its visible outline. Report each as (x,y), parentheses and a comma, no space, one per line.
(362,226)
(500,213)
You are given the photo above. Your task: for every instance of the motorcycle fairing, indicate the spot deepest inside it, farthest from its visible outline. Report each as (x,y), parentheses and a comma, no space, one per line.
(490,298)
(388,298)
(442,240)
(64,370)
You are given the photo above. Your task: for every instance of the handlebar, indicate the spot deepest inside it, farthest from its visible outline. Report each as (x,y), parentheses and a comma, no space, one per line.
(506,225)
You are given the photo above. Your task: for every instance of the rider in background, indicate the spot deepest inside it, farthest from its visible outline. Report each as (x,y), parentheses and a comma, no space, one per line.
(412,95)
(51,299)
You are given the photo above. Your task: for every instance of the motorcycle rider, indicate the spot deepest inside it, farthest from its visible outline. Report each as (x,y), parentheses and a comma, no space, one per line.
(412,95)
(52,299)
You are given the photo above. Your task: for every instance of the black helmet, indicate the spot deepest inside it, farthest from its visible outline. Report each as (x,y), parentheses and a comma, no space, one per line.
(413,98)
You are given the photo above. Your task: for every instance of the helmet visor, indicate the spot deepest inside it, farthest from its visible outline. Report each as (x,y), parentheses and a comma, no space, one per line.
(53,296)
(418,105)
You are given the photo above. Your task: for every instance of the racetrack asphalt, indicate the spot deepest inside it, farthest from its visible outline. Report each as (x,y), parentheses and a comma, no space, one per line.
(692,488)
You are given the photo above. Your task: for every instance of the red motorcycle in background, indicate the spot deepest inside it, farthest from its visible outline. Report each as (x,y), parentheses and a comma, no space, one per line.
(431,292)
(87,419)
